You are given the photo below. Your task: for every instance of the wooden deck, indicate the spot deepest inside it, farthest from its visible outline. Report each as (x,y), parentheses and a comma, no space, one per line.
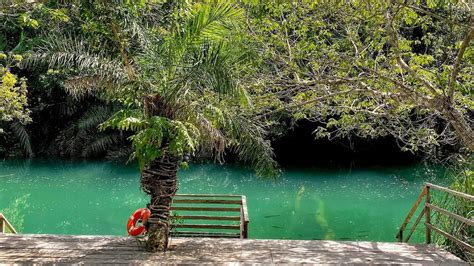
(110,249)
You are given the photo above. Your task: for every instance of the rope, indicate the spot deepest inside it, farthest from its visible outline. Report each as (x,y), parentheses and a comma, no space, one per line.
(159,181)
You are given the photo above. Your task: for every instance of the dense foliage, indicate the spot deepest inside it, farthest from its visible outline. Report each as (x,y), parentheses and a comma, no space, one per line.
(165,81)
(462,177)
(369,68)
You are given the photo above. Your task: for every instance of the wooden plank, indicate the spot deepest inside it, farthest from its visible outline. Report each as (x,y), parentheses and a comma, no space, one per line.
(206,201)
(185,261)
(136,256)
(207,226)
(198,252)
(452,192)
(450,214)
(207,233)
(66,238)
(208,195)
(206,217)
(60,252)
(410,214)
(210,209)
(388,247)
(204,234)
(458,241)
(362,258)
(52,249)
(311,246)
(57,236)
(128,245)
(143,259)
(84,247)
(412,230)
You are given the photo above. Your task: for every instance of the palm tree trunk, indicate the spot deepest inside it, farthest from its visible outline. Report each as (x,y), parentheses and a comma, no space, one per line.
(159,180)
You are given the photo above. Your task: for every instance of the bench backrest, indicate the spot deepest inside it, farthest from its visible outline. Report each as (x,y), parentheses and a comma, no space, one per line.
(206,215)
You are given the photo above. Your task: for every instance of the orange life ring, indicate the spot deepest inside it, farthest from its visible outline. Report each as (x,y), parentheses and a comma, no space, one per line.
(141,214)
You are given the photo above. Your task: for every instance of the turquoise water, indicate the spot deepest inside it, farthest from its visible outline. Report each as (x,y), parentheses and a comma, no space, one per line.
(98,197)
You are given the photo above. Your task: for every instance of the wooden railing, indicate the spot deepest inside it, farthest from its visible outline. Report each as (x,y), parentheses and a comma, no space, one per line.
(6,225)
(428,207)
(223,215)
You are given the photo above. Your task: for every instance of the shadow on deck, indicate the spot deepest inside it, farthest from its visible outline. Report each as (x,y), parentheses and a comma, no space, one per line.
(111,249)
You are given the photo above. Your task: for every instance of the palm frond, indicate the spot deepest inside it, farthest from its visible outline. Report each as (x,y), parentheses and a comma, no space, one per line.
(212,20)
(249,143)
(120,154)
(94,117)
(83,85)
(212,139)
(223,126)
(67,108)
(100,145)
(211,66)
(71,140)
(64,52)
(23,136)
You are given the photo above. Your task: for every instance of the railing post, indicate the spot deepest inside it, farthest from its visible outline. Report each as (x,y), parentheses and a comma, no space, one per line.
(2,224)
(244,221)
(400,236)
(245,233)
(428,214)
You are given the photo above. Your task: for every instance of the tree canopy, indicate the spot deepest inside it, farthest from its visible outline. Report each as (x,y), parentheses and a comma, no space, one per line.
(362,68)
(369,68)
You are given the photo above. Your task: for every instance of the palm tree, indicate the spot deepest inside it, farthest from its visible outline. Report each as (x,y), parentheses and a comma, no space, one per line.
(182,94)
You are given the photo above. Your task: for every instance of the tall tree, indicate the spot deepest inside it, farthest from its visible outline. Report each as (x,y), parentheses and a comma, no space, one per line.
(178,84)
(370,68)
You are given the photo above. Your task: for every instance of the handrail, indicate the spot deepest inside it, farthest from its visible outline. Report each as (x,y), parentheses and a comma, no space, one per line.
(5,224)
(450,191)
(410,214)
(412,230)
(427,208)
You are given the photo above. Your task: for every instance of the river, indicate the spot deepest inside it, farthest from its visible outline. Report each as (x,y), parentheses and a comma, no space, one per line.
(92,198)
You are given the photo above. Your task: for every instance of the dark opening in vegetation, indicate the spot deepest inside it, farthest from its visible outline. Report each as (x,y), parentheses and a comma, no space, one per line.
(299,148)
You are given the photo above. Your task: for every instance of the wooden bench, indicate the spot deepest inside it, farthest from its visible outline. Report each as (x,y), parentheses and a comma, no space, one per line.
(207,215)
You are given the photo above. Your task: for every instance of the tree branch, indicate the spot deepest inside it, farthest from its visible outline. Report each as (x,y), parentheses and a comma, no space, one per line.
(394,42)
(295,105)
(427,12)
(457,65)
